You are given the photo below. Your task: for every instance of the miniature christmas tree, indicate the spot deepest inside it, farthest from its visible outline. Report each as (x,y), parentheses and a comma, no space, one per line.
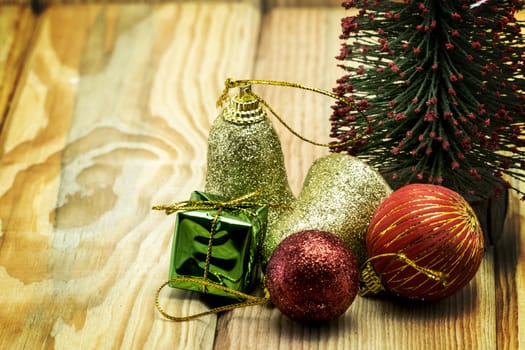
(440,89)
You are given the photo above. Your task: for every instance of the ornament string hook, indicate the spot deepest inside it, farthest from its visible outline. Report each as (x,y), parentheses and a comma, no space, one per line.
(250,300)
(230,83)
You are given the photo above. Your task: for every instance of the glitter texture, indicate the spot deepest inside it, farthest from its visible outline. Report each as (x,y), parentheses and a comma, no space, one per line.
(312,277)
(245,155)
(339,195)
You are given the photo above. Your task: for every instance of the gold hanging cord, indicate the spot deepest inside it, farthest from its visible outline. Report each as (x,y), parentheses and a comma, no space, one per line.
(250,300)
(230,83)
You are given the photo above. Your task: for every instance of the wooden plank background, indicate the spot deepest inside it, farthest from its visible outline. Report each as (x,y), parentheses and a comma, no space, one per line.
(106,110)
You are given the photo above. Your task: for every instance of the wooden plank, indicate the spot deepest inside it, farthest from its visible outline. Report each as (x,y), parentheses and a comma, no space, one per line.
(518,218)
(510,278)
(510,270)
(111,118)
(297,45)
(17,25)
(270,4)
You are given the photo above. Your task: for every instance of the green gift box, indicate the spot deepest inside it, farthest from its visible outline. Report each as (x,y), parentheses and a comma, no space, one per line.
(219,243)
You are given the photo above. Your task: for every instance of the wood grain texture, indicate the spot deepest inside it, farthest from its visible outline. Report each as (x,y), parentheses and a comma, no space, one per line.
(510,271)
(111,118)
(510,278)
(111,115)
(17,25)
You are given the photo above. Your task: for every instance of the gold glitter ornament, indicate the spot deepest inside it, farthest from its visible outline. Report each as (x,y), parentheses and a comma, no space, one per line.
(245,155)
(340,195)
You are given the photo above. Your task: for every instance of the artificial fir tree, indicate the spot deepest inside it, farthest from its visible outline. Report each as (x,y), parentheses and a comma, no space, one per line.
(440,88)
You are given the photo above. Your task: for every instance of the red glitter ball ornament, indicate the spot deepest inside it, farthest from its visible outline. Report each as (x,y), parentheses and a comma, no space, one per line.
(424,242)
(312,276)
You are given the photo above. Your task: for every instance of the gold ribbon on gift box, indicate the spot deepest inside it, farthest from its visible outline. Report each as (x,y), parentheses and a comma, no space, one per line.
(240,204)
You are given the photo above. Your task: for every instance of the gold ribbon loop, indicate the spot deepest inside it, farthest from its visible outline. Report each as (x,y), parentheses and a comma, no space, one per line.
(238,203)
(250,299)
(229,84)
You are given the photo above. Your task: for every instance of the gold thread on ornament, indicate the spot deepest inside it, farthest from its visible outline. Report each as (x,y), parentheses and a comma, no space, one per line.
(250,299)
(461,210)
(229,84)
(430,217)
(372,284)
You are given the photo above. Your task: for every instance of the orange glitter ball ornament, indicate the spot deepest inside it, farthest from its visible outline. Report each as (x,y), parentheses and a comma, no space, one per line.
(424,242)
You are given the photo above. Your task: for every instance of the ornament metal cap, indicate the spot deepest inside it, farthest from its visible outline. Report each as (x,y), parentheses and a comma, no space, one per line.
(244,108)
(370,281)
